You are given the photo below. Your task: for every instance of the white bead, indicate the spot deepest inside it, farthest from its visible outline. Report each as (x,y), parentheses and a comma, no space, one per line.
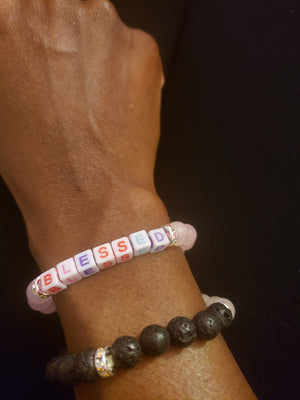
(85,263)
(67,271)
(212,299)
(159,240)
(227,303)
(122,249)
(50,282)
(205,298)
(140,242)
(104,256)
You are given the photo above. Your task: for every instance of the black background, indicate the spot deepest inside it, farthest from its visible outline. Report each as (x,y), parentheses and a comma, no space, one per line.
(228,164)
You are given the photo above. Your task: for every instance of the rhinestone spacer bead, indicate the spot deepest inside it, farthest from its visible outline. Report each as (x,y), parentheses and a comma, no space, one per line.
(172,234)
(104,363)
(37,290)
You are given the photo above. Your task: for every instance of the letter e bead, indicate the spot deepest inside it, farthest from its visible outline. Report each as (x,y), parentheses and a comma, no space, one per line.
(85,263)
(140,242)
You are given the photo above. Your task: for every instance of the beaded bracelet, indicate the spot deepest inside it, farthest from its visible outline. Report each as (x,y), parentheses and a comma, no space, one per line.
(39,292)
(126,351)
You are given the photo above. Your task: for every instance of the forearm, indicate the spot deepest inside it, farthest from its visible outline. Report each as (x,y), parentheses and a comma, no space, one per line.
(124,299)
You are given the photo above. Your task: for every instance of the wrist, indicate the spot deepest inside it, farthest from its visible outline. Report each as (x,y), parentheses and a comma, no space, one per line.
(60,233)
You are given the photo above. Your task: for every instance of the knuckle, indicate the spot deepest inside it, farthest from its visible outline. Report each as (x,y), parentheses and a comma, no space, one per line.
(147,45)
(103,10)
(147,51)
(108,9)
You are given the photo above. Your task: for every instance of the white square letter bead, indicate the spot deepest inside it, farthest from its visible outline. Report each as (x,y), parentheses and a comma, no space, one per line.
(140,242)
(122,249)
(85,263)
(159,240)
(104,256)
(50,283)
(67,272)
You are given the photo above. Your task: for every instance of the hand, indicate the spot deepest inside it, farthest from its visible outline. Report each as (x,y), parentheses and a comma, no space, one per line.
(79,112)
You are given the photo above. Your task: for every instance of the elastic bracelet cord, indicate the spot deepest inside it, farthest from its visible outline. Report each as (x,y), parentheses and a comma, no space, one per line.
(93,364)
(89,262)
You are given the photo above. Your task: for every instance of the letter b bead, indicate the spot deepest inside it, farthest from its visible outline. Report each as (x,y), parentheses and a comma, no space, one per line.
(50,282)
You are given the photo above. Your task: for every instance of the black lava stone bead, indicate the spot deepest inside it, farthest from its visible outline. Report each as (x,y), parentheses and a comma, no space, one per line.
(207,325)
(182,331)
(154,340)
(60,371)
(85,366)
(221,313)
(126,352)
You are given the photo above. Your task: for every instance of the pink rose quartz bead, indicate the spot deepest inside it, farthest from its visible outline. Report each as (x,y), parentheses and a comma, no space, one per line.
(187,235)
(191,237)
(49,307)
(44,305)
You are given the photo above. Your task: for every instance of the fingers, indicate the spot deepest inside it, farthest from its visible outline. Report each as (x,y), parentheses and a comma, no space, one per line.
(101,12)
(97,20)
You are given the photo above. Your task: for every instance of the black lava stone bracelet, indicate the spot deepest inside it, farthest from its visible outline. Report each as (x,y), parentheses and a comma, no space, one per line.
(90,365)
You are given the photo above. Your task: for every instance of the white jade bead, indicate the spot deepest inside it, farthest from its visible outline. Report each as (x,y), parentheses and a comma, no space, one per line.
(205,298)
(226,302)
(212,299)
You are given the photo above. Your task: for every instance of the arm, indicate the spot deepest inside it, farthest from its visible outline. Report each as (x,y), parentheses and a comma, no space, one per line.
(79,116)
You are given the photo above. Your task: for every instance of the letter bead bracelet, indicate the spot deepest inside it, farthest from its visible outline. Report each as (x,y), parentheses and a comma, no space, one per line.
(90,365)
(89,262)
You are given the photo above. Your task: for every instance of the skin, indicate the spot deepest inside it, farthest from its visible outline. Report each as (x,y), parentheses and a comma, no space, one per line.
(79,116)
